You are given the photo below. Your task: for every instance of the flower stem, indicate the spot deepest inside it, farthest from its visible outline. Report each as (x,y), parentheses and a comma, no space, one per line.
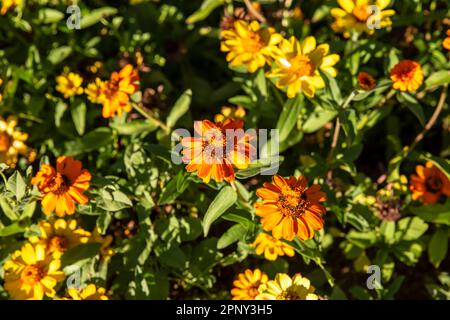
(145,114)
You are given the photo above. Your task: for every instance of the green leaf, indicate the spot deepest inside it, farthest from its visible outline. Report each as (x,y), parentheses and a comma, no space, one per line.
(7,208)
(317,119)
(387,230)
(135,127)
(438,78)
(57,55)
(95,16)
(232,235)
(174,257)
(80,253)
(260,82)
(434,213)
(221,203)
(78,112)
(113,200)
(413,105)
(289,115)
(174,188)
(438,246)
(93,140)
(258,167)
(205,10)
(47,15)
(12,229)
(410,228)
(180,108)
(16,184)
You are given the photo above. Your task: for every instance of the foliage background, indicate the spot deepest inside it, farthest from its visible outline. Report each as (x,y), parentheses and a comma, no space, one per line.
(184,77)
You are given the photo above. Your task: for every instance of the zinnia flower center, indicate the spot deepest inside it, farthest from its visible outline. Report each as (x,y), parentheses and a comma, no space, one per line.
(289,294)
(292,202)
(361,12)
(405,71)
(58,243)
(214,143)
(5,142)
(253,43)
(302,66)
(433,184)
(32,275)
(59,184)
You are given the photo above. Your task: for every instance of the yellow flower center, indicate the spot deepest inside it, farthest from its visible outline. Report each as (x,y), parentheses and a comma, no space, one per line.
(32,275)
(58,243)
(254,43)
(361,12)
(5,142)
(302,66)
(292,202)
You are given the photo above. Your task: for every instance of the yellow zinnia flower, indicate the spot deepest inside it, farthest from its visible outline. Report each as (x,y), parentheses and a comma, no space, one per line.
(91,292)
(296,67)
(361,16)
(69,84)
(60,235)
(272,247)
(11,141)
(248,45)
(8,4)
(287,288)
(247,284)
(95,91)
(31,273)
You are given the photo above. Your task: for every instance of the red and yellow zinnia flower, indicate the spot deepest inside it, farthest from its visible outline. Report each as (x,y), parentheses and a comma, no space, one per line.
(366,81)
(63,187)
(407,75)
(361,16)
(429,184)
(218,148)
(296,66)
(287,288)
(247,284)
(289,208)
(31,273)
(60,235)
(249,45)
(271,247)
(117,91)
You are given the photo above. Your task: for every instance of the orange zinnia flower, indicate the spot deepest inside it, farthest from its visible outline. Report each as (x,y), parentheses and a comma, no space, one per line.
(290,208)
(216,149)
(248,284)
(446,43)
(429,184)
(407,75)
(117,91)
(63,186)
(366,81)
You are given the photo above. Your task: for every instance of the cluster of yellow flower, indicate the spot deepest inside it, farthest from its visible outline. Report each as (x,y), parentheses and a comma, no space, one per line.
(34,270)
(12,142)
(255,285)
(114,94)
(295,66)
